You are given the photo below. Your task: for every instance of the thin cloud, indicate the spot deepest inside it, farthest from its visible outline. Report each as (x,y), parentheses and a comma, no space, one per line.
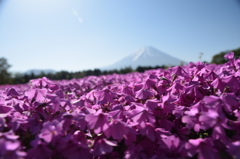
(75,13)
(80,20)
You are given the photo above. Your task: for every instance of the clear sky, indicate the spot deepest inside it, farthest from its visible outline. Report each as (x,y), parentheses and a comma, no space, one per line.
(75,35)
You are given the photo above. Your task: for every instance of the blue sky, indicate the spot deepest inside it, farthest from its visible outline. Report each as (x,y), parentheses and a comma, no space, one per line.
(76,35)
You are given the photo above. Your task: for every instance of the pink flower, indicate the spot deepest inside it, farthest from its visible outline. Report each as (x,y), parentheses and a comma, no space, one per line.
(143,117)
(104,96)
(145,94)
(50,130)
(102,146)
(117,129)
(98,122)
(229,56)
(204,148)
(38,95)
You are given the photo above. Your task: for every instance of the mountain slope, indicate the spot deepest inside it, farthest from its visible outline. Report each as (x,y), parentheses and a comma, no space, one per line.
(145,56)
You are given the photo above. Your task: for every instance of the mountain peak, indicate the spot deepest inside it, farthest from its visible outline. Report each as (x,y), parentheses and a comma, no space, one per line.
(145,56)
(146,51)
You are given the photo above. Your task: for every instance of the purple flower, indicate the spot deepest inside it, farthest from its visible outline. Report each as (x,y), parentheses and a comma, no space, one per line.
(98,122)
(135,151)
(209,119)
(102,146)
(217,121)
(41,151)
(171,145)
(128,99)
(3,123)
(191,119)
(128,90)
(166,124)
(74,120)
(179,71)
(74,152)
(232,84)
(131,136)
(218,84)
(11,93)
(145,94)
(182,112)
(117,129)
(148,131)
(137,87)
(117,113)
(211,76)
(19,121)
(162,86)
(167,104)
(176,88)
(104,96)
(231,101)
(229,56)
(36,94)
(10,147)
(50,130)
(150,81)
(4,109)
(73,146)
(213,102)
(234,149)
(204,148)
(40,83)
(141,116)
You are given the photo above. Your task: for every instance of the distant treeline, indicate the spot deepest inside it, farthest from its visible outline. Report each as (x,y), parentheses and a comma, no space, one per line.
(24,78)
(7,78)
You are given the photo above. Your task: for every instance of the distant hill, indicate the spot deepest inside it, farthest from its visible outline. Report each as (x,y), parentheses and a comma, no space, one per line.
(145,56)
(39,71)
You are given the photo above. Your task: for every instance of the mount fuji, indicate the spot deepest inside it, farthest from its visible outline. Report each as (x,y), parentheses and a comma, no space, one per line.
(145,56)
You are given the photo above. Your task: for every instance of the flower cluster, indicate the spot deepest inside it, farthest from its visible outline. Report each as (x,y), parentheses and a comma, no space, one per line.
(192,111)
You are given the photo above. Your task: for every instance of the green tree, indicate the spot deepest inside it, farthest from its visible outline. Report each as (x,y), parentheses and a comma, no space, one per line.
(5,76)
(97,72)
(125,70)
(219,58)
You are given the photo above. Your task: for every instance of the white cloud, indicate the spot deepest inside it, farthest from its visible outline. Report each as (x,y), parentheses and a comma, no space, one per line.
(75,13)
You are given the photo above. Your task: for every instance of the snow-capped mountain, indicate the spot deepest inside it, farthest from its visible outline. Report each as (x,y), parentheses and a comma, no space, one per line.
(145,56)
